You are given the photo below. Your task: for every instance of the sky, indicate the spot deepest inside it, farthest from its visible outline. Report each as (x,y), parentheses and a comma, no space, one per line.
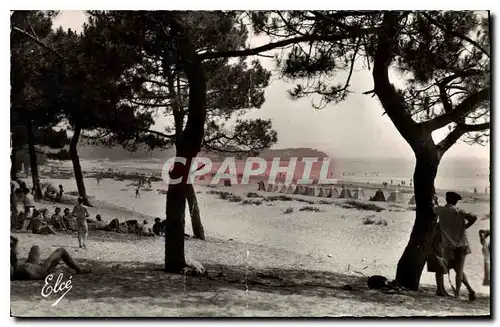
(354,128)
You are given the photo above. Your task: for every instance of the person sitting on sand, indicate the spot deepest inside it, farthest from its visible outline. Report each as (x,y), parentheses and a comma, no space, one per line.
(68,220)
(114,225)
(34,268)
(144,230)
(132,226)
(122,228)
(57,220)
(44,213)
(100,224)
(81,214)
(158,227)
(21,218)
(38,226)
(453,223)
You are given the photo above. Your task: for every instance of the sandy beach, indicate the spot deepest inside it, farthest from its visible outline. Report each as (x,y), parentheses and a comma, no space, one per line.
(265,256)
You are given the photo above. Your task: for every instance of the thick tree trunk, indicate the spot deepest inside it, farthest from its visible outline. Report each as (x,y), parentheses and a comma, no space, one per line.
(194,211)
(174,231)
(412,262)
(33,160)
(73,152)
(13,162)
(13,209)
(187,147)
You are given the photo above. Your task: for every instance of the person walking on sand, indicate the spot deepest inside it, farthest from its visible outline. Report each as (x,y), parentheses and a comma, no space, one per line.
(453,224)
(81,214)
(137,194)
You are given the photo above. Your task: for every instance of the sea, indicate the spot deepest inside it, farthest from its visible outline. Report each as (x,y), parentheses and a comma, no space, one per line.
(459,174)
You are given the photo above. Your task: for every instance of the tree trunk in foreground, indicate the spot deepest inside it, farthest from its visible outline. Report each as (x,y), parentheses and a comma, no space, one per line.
(412,262)
(13,209)
(194,211)
(174,231)
(33,160)
(187,147)
(13,167)
(77,169)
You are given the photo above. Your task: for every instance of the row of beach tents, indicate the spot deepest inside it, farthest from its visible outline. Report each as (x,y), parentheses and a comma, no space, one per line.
(332,192)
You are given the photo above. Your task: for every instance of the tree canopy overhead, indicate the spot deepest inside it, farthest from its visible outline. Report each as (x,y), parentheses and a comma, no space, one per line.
(233,86)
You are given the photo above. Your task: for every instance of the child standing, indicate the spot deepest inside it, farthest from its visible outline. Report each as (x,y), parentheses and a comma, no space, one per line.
(81,214)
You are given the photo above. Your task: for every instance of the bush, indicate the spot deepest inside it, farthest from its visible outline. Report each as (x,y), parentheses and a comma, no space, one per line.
(279,198)
(364,206)
(234,198)
(374,220)
(253,195)
(250,202)
(309,208)
(306,201)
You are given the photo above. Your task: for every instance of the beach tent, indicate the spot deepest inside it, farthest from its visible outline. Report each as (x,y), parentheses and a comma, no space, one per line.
(379,196)
(298,189)
(412,200)
(345,194)
(276,187)
(262,186)
(227,182)
(359,194)
(334,193)
(322,192)
(269,188)
(309,190)
(291,189)
(305,190)
(283,188)
(395,196)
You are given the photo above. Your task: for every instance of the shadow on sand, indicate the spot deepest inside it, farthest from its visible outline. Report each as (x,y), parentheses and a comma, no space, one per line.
(129,280)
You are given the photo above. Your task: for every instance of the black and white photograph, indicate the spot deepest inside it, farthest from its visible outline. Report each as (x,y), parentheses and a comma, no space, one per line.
(250,163)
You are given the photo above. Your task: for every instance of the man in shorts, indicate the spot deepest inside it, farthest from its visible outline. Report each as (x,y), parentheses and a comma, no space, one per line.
(29,204)
(452,242)
(81,214)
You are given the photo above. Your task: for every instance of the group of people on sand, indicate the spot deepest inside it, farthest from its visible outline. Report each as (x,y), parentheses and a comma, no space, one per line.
(52,194)
(450,245)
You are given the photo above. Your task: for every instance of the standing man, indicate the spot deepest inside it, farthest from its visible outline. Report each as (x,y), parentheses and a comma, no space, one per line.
(453,223)
(81,214)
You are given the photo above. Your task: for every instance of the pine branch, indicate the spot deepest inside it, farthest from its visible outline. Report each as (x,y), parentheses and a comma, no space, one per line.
(284,43)
(454,33)
(37,40)
(461,110)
